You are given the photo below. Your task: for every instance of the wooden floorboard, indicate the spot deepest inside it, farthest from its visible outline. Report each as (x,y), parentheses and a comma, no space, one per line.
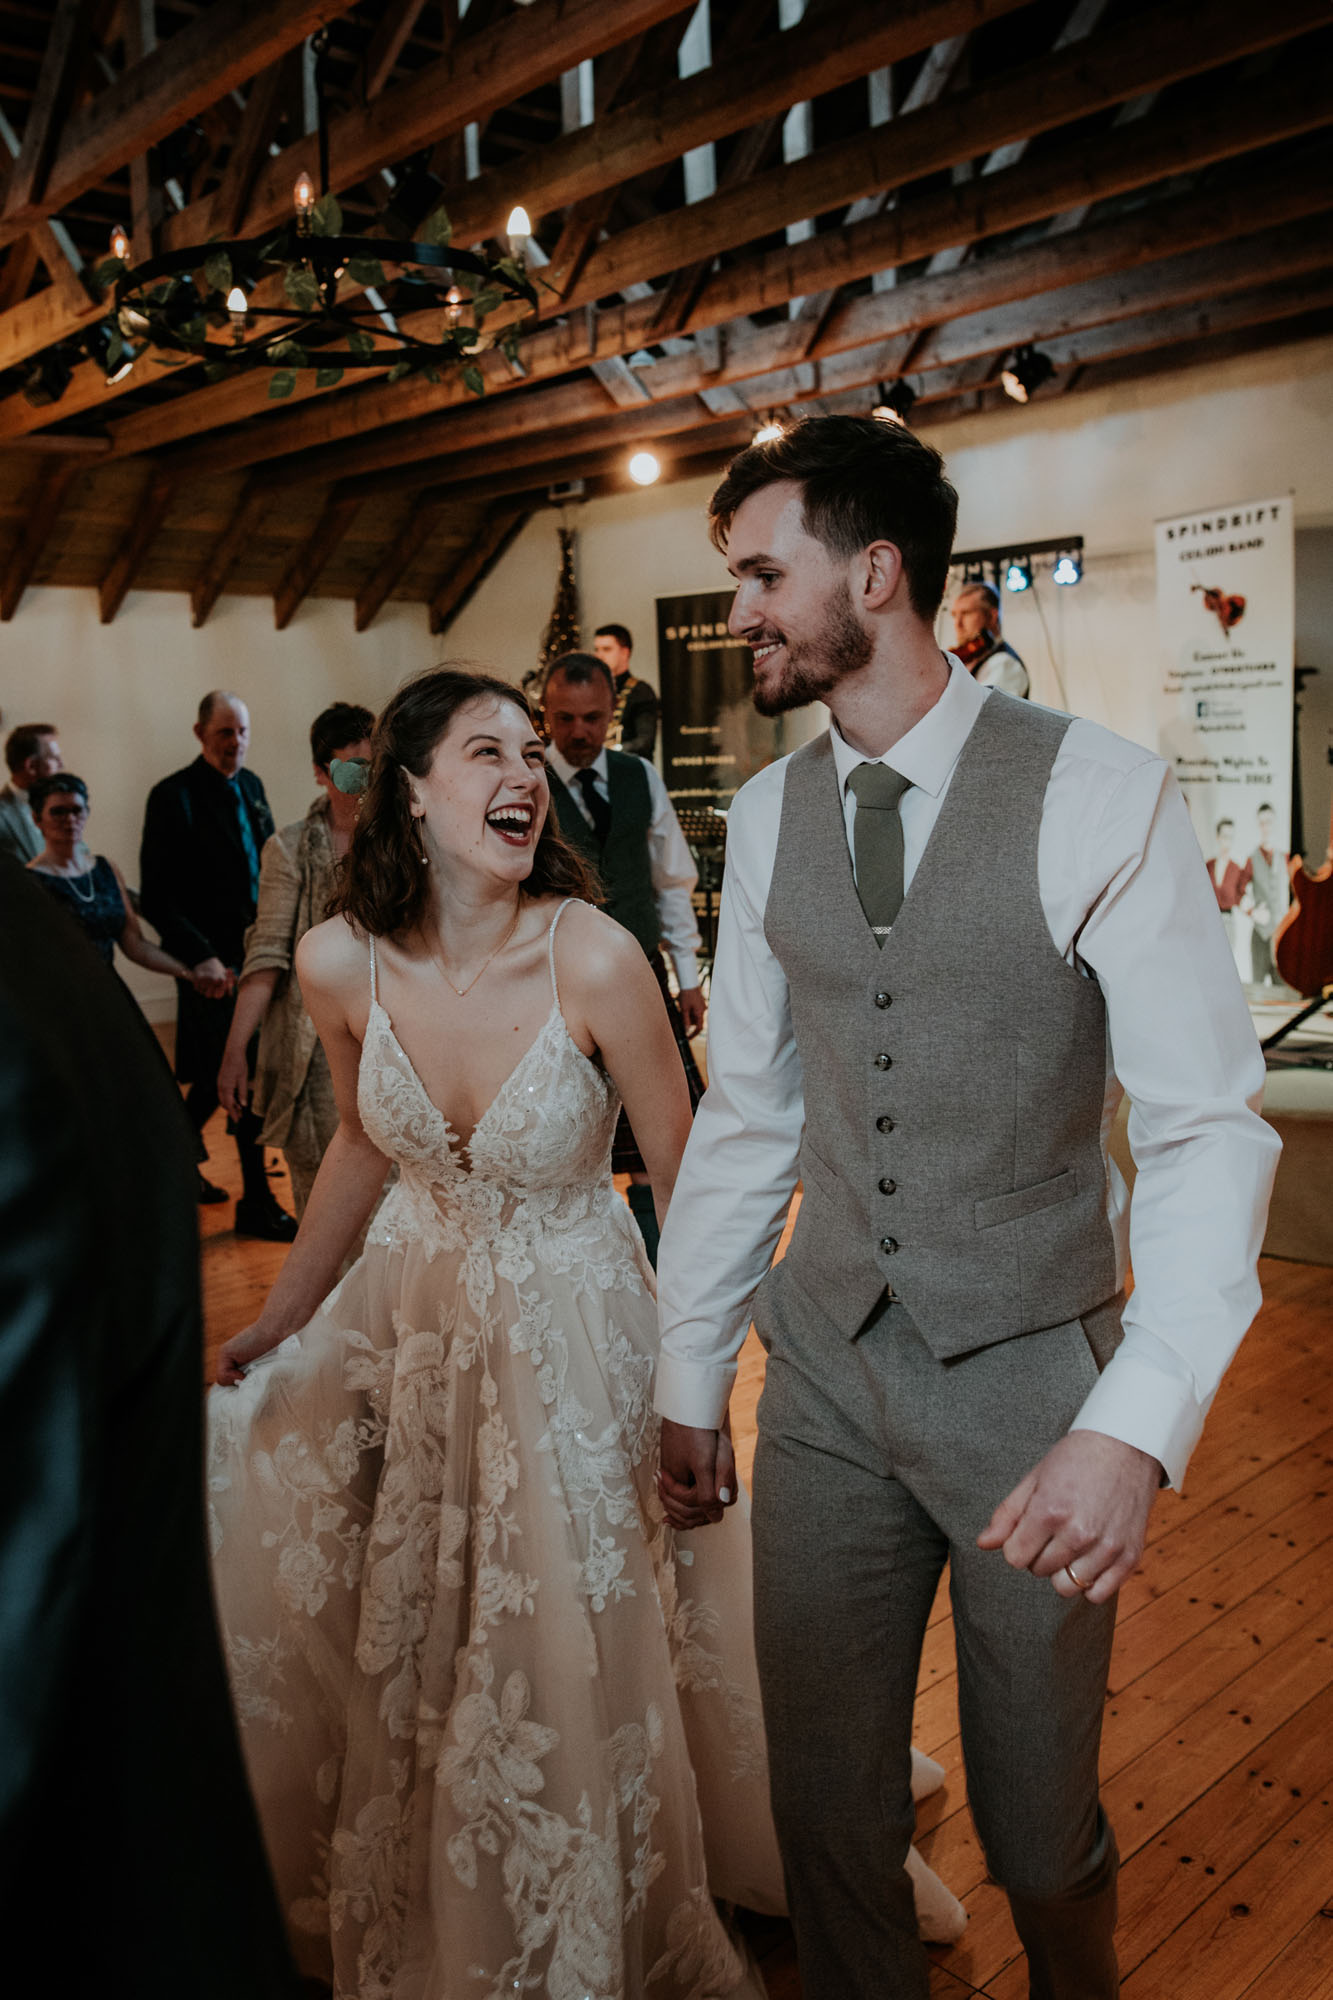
(1218,1742)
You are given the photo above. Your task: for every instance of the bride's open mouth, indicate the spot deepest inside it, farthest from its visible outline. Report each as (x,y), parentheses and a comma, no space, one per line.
(514,823)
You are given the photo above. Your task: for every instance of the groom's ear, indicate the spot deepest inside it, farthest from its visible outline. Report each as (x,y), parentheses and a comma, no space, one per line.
(881,573)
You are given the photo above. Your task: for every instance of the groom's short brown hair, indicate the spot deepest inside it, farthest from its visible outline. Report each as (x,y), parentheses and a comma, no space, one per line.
(862,480)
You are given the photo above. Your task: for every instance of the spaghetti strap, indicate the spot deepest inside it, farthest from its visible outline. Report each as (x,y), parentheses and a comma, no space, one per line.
(374,991)
(550,946)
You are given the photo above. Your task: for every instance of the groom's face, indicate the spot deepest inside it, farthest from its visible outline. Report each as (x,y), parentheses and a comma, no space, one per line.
(793,603)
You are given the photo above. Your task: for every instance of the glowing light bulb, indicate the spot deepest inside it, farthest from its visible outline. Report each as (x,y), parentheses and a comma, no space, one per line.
(303,194)
(120,244)
(454,302)
(237,306)
(644,468)
(768,433)
(518,224)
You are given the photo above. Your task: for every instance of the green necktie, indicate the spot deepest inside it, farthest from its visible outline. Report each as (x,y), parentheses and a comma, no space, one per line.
(877,835)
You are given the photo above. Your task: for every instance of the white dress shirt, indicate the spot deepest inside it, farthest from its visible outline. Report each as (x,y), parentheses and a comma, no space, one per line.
(1127,902)
(669,859)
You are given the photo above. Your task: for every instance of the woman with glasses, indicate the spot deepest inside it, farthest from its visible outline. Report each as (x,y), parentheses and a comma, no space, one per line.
(94,894)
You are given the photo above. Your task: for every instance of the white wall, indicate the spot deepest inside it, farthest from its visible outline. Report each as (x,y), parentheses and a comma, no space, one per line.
(124,695)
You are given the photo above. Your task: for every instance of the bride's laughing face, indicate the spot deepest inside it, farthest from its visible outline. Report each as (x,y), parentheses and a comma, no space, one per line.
(484,800)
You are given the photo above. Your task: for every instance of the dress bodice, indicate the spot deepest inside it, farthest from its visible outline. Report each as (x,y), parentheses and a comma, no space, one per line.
(93,899)
(538,1161)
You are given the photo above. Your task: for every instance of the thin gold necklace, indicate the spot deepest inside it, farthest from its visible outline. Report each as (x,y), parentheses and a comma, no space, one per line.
(463,991)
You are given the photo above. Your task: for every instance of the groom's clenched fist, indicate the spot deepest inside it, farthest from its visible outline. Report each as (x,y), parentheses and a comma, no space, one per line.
(697,1475)
(1080,1517)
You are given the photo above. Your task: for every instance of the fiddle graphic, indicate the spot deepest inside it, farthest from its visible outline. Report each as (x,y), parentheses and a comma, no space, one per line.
(1227,610)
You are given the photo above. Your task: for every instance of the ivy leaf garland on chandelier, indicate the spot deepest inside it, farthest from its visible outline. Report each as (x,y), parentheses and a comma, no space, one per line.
(309,297)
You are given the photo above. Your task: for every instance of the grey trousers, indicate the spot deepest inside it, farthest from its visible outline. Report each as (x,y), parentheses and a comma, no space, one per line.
(876,1464)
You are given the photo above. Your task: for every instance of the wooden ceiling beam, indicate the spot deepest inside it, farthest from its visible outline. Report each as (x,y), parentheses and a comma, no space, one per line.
(259,122)
(965,296)
(251,506)
(398,557)
(390,38)
(222,47)
(17,274)
(1087,170)
(526,48)
(40,512)
(340,510)
(66,51)
(1069,84)
(500,527)
(148,518)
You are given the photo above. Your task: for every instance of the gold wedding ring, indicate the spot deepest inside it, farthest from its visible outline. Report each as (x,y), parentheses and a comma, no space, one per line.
(1075,1578)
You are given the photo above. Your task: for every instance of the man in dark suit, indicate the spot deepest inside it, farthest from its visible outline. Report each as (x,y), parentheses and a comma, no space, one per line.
(203,831)
(123,1803)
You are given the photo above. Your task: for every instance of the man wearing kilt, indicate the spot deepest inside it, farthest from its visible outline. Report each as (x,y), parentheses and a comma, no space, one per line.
(614,808)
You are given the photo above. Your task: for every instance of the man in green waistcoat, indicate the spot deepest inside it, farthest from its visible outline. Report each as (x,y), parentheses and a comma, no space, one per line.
(614,808)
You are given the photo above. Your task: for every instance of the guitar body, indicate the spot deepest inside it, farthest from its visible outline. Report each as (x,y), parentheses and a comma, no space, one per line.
(1303,940)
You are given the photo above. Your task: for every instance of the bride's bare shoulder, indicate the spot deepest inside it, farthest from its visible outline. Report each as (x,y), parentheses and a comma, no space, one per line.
(592,948)
(333,956)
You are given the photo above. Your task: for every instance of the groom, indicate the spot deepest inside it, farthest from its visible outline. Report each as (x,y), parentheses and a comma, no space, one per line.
(954,927)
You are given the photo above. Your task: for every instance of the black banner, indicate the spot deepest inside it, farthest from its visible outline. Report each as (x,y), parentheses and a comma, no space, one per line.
(712,739)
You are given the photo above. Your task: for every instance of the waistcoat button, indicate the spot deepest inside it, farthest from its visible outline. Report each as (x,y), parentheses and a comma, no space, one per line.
(887,1245)
(887,1186)
(883,1062)
(883,999)
(884,1124)
(890,1294)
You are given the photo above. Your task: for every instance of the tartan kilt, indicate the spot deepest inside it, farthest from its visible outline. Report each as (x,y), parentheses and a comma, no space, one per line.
(625,1155)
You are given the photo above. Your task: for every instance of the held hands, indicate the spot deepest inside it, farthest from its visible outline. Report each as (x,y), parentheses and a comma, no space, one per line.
(697,1475)
(690,1000)
(1086,1504)
(213,979)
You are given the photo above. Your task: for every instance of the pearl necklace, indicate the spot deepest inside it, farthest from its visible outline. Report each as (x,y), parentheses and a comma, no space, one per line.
(88,896)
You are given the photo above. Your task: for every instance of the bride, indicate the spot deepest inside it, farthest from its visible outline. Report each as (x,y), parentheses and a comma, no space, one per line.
(502,1725)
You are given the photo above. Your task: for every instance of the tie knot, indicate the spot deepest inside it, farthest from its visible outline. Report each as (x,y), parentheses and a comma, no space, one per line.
(878,787)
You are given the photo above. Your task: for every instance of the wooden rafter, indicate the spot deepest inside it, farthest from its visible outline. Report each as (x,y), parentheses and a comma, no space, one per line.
(39,517)
(17,272)
(396,560)
(340,510)
(251,506)
(259,122)
(148,518)
(389,38)
(498,530)
(66,50)
(222,47)
(139,19)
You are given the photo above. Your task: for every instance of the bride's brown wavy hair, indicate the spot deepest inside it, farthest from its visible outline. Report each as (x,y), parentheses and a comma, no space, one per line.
(384,889)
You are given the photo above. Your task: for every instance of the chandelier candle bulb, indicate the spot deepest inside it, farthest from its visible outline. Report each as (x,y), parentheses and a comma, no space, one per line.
(518,228)
(303,194)
(237,304)
(120,244)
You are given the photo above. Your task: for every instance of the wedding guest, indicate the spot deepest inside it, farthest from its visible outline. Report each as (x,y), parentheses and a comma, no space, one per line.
(634,719)
(123,1801)
(298,871)
(981,645)
(614,808)
(204,827)
(31,752)
(93,891)
(1230,880)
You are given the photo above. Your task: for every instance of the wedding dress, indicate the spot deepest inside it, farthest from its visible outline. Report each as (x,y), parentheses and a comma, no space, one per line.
(501,1723)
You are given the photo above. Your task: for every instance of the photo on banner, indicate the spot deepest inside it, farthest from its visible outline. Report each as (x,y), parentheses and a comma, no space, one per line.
(1226,622)
(712,737)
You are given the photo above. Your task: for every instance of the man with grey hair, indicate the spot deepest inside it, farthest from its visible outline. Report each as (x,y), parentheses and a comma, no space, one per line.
(204,827)
(31,752)
(981,646)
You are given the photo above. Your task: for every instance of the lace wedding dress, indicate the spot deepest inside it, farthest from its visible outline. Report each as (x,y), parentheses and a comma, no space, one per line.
(502,1725)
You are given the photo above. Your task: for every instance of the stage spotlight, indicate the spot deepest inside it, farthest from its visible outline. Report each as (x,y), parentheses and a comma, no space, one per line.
(1069,569)
(644,468)
(46,379)
(895,404)
(1018,574)
(1026,372)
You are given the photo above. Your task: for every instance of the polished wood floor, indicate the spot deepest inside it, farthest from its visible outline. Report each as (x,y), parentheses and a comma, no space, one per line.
(1218,1752)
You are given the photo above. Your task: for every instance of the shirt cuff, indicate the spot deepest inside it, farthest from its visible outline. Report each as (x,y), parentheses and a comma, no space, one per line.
(686,967)
(693,1392)
(1138,1404)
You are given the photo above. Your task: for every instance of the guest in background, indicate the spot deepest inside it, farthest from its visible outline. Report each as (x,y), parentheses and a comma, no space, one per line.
(1230,881)
(634,717)
(118,1751)
(614,809)
(93,891)
(292,1090)
(1270,887)
(31,752)
(204,827)
(980,645)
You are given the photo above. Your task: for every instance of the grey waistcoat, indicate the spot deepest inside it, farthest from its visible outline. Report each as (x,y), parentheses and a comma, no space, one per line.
(954,1080)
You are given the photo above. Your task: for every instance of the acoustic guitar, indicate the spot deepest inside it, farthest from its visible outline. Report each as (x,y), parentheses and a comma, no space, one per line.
(1303,940)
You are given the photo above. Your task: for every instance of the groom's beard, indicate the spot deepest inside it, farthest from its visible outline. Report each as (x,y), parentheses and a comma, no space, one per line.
(813,668)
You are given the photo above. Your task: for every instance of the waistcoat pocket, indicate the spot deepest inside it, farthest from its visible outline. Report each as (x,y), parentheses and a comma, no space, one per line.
(1026,1201)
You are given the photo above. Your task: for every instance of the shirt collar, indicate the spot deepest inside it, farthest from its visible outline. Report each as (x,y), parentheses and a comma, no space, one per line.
(926,755)
(566,772)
